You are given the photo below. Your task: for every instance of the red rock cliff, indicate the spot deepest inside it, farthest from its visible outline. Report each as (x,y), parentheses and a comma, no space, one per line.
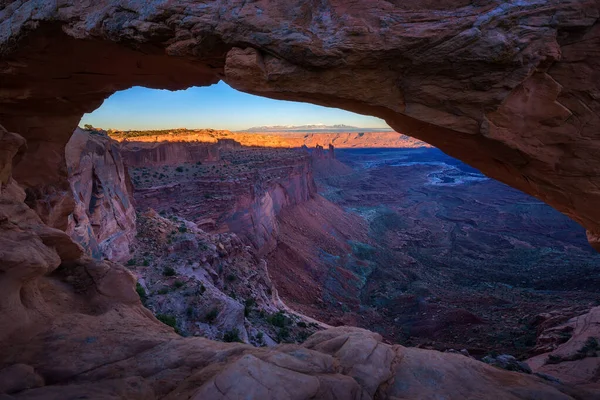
(103,218)
(138,154)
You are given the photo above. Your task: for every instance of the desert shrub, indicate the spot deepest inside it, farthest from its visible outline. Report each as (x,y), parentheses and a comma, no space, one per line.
(283,334)
(141,292)
(278,319)
(302,324)
(131,262)
(232,335)
(201,289)
(248,304)
(211,315)
(178,284)
(146,262)
(168,271)
(189,311)
(553,359)
(163,291)
(302,336)
(179,169)
(590,347)
(182,229)
(167,319)
(231,278)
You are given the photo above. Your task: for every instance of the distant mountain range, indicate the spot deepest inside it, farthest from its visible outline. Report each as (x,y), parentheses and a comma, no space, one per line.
(313,128)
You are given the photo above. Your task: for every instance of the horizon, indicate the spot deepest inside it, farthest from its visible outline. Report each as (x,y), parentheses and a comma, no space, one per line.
(218,107)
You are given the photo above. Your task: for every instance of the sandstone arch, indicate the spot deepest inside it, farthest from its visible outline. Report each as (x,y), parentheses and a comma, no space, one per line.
(510,88)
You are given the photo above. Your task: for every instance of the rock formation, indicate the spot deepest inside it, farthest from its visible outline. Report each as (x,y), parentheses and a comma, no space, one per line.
(573,347)
(510,88)
(103,217)
(271,139)
(242,193)
(138,154)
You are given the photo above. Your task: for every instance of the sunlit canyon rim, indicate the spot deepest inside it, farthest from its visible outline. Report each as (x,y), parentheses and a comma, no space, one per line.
(509,88)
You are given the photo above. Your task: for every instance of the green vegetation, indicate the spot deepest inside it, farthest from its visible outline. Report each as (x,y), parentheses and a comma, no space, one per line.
(283,334)
(178,284)
(179,169)
(163,291)
(168,271)
(231,278)
(232,335)
(363,251)
(279,319)
(302,324)
(248,304)
(167,320)
(131,262)
(211,315)
(141,292)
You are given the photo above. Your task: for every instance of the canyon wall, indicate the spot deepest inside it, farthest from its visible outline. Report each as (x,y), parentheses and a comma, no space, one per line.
(78,329)
(137,154)
(103,216)
(223,198)
(274,139)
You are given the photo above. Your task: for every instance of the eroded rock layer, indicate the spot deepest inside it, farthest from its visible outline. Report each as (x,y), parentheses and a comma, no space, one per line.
(103,216)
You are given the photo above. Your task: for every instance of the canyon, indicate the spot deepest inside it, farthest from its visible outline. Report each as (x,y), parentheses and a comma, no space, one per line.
(449,259)
(510,88)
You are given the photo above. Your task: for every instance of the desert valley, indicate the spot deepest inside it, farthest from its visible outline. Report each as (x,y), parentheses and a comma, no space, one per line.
(259,238)
(371,200)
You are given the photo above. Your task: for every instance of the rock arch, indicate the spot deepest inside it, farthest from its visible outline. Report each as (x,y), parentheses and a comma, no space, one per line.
(510,88)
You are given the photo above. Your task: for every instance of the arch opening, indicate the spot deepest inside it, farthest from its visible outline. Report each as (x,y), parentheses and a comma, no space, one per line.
(456,247)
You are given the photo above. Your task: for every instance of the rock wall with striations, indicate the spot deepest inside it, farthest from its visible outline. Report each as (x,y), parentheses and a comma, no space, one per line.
(138,154)
(103,217)
(75,328)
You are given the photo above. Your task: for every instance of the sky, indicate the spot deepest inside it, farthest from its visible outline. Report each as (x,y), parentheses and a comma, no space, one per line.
(218,106)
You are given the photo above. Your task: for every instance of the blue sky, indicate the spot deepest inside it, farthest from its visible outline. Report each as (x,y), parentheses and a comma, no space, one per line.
(218,107)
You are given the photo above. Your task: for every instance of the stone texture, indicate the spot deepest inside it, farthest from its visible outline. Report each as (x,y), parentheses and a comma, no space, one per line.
(103,217)
(77,329)
(510,88)
(574,360)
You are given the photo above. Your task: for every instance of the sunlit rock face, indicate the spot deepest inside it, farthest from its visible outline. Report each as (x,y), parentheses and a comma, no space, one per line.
(139,154)
(103,218)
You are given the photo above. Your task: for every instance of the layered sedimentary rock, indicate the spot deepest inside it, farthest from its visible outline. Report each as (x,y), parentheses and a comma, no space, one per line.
(572,349)
(77,329)
(243,193)
(138,154)
(103,217)
(210,285)
(274,139)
